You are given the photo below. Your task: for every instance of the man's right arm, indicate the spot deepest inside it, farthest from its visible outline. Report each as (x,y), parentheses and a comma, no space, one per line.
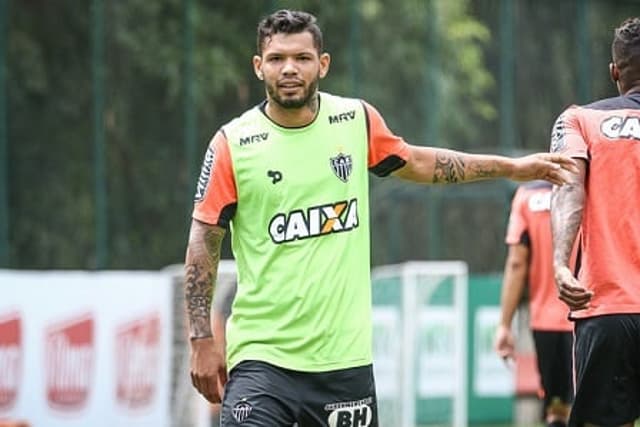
(201,268)
(208,369)
(567,205)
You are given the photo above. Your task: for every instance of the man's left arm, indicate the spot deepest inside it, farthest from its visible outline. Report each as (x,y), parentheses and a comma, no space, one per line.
(443,166)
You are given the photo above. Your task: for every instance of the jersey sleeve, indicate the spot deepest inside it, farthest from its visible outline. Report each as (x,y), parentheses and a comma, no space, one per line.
(387,152)
(216,195)
(567,135)
(517,226)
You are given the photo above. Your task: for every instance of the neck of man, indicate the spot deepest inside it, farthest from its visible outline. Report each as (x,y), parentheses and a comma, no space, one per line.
(633,88)
(292,117)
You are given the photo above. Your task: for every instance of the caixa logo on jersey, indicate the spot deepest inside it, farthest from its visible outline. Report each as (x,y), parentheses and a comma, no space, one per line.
(615,127)
(314,221)
(10,359)
(350,414)
(137,361)
(69,363)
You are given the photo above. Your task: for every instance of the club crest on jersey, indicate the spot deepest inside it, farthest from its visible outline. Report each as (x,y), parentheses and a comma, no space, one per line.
(314,221)
(342,165)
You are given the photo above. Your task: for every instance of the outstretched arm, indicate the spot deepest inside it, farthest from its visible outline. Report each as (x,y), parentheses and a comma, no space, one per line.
(208,370)
(567,204)
(437,165)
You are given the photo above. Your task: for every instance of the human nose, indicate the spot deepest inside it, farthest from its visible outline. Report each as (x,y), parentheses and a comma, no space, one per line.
(289,67)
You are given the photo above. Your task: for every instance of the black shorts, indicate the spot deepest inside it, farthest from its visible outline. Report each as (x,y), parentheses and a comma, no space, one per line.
(262,395)
(555,365)
(607,364)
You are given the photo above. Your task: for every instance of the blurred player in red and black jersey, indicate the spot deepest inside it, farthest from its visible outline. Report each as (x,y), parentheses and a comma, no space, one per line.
(603,199)
(529,262)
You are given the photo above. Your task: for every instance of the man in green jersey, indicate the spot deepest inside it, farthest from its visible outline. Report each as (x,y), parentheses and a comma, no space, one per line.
(289,177)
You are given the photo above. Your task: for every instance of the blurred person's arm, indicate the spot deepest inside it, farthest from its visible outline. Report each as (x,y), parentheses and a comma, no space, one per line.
(567,205)
(201,267)
(516,271)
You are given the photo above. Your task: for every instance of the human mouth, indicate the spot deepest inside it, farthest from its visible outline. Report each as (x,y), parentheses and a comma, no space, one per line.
(290,84)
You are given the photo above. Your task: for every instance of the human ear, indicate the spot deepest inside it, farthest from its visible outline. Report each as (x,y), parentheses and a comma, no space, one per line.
(257,66)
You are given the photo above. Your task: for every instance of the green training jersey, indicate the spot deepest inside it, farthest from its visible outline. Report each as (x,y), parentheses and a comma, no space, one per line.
(300,235)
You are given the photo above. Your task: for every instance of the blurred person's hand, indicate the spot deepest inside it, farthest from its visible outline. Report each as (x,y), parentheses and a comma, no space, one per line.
(208,368)
(570,291)
(503,343)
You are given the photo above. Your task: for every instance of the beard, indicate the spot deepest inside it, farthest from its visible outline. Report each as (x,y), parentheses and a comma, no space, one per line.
(307,97)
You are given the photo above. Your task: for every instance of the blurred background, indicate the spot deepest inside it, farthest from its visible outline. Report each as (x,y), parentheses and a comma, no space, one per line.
(107,107)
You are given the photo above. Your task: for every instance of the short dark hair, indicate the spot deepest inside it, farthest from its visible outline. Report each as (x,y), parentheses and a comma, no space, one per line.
(288,22)
(625,48)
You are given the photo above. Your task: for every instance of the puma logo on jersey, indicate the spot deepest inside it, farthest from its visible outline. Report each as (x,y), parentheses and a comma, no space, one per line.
(616,127)
(342,117)
(254,138)
(315,221)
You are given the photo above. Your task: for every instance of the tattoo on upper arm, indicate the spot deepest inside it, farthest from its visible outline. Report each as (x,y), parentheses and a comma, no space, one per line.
(203,257)
(449,168)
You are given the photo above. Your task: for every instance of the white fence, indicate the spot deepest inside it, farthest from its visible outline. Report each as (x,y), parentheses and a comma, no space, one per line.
(85,349)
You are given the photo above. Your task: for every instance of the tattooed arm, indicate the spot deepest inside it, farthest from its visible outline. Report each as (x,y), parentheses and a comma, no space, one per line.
(567,204)
(208,370)
(201,265)
(437,165)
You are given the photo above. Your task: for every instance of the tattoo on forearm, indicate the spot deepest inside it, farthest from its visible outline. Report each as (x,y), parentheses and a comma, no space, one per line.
(449,168)
(203,257)
(482,169)
(198,296)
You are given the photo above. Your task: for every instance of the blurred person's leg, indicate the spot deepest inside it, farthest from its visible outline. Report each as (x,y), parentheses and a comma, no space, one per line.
(554,355)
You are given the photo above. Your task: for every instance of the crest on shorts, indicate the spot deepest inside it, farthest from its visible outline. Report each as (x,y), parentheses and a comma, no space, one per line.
(342,166)
(241,411)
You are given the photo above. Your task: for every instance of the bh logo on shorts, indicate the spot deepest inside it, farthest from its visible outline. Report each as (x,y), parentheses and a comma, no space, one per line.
(241,411)
(350,414)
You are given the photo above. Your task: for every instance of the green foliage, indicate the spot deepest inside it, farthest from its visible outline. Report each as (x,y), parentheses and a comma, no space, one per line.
(430,66)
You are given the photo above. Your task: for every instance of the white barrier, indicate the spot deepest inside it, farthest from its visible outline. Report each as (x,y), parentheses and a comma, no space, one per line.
(85,349)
